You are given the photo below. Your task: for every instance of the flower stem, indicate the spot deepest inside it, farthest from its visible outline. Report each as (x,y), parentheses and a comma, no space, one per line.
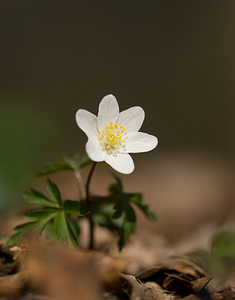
(80,184)
(88,204)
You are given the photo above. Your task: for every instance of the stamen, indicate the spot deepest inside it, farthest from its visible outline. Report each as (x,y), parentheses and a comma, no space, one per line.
(111,138)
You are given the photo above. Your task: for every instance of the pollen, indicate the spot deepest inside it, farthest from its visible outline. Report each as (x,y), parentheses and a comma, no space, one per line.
(110,136)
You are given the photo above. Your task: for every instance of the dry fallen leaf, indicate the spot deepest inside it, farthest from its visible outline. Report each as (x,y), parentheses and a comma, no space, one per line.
(12,285)
(12,282)
(71,274)
(60,272)
(133,289)
(179,275)
(229,288)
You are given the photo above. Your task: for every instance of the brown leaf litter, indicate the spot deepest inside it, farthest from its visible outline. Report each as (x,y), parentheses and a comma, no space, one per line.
(62,273)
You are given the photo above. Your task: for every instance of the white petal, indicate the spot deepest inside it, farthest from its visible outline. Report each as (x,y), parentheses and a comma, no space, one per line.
(87,122)
(94,150)
(108,111)
(131,119)
(140,142)
(122,163)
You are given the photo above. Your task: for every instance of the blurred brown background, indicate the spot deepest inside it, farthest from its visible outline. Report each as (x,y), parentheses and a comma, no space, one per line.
(174,58)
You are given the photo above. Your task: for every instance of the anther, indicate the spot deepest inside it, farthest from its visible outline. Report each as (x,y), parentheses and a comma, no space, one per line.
(111,138)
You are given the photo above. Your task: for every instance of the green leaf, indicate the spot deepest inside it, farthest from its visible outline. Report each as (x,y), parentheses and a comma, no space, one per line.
(119,208)
(54,167)
(103,216)
(54,192)
(130,213)
(63,229)
(72,161)
(27,226)
(85,161)
(74,207)
(125,214)
(15,239)
(50,231)
(127,229)
(74,224)
(123,207)
(123,219)
(64,163)
(35,197)
(224,244)
(106,221)
(136,198)
(43,217)
(41,213)
(116,188)
(222,256)
(23,230)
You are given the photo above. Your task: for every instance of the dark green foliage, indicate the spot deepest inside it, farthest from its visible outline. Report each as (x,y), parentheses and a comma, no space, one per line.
(103,216)
(66,163)
(54,192)
(222,257)
(125,232)
(74,207)
(41,218)
(63,229)
(22,231)
(224,243)
(60,219)
(37,198)
(127,217)
(115,188)
(52,215)
(85,161)
(136,198)
(124,212)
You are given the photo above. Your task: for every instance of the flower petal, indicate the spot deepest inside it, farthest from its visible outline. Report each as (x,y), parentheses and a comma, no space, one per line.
(94,150)
(131,119)
(87,122)
(122,163)
(108,111)
(140,142)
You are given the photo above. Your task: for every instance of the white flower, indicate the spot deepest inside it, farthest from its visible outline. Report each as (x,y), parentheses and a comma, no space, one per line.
(112,135)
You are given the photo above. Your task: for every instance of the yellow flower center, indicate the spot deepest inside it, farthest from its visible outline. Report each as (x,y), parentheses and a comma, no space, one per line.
(113,136)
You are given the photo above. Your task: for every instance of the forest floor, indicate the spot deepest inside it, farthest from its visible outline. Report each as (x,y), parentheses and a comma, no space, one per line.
(165,259)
